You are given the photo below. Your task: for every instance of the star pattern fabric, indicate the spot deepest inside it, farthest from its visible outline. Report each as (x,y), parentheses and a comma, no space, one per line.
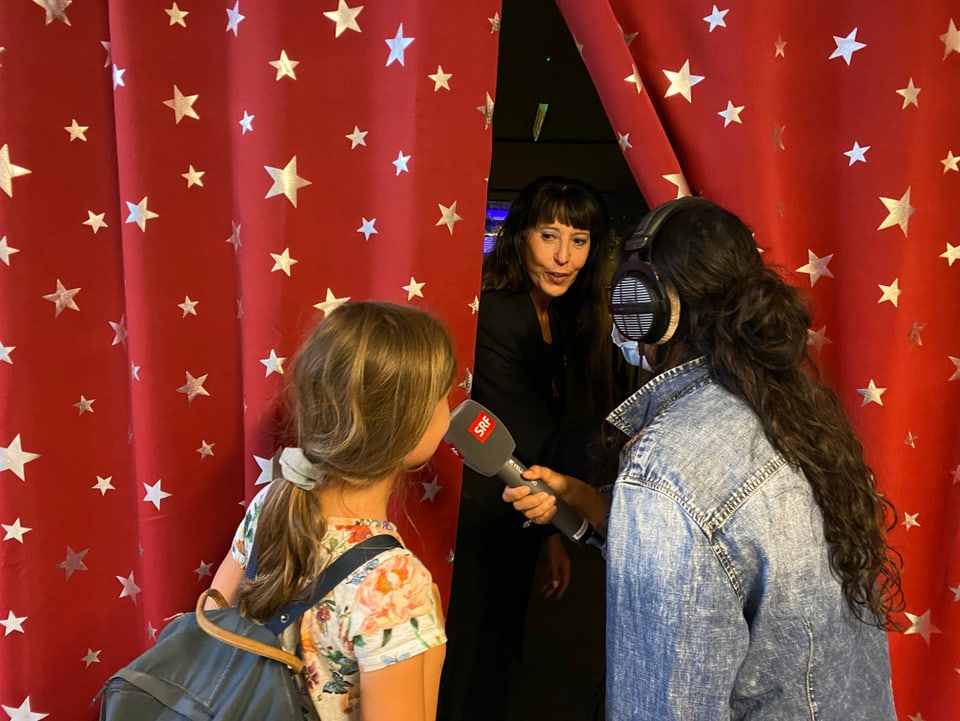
(898,212)
(55,10)
(842,164)
(398,46)
(95,221)
(135,210)
(273,363)
(175,217)
(23,712)
(449,216)
(63,298)
(246,123)
(345,18)
(176,15)
(77,131)
(440,79)
(14,531)
(367,227)
(682,82)
(193,387)
(715,19)
(266,470)
(331,302)
(357,137)
(73,561)
(911,95)
(731,114)
(847,46)
(430,490)
(816,267)
(857,154)
(286,181)
(285,66)
(13,624)
(140,214)
(6,250)
(182,105)
(9,171)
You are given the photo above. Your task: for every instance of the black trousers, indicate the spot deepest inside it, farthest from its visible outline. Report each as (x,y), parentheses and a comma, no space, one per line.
(494,562)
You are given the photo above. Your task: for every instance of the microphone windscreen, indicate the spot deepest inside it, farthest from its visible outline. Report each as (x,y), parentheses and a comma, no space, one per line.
(479,438)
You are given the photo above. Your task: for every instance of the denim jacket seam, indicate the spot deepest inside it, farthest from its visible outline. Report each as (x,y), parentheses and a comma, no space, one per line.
(713,523)
(698,516)
(706,527)
(743,492)
(729,568)
(694,385)
(639,433)
(812,704)
(617,417)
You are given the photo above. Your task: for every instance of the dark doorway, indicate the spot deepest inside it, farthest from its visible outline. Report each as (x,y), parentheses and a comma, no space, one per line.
(540,64)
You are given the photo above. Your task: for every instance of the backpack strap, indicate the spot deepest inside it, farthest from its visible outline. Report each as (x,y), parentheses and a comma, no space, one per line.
(156,686)
(331,576)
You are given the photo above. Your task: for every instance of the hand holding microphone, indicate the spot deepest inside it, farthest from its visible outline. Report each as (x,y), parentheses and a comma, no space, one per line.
(539,506)
(485,445)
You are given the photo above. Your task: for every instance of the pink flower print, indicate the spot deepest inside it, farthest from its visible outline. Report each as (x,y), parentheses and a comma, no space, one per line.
(396,591)
(323,614)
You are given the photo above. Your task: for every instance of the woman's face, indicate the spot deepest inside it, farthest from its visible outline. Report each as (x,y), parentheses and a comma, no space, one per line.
(554,254)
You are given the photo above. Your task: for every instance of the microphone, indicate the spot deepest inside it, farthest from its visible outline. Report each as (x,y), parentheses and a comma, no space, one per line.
(484,444)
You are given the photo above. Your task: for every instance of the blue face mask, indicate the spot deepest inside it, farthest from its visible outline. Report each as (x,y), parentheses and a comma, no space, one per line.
(630,349)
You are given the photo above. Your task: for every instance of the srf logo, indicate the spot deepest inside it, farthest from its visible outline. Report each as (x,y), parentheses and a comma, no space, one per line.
(482,426)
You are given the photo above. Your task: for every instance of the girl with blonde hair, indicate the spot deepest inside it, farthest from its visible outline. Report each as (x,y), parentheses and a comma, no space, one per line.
(369,396)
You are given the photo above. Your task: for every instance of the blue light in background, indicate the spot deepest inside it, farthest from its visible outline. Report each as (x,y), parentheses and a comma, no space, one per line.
(496,212)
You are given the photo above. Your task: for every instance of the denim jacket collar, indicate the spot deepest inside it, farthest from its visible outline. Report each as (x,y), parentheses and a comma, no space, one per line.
(635,413)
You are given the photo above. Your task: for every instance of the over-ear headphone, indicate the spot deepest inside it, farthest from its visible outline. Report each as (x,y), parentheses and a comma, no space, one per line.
(645,306)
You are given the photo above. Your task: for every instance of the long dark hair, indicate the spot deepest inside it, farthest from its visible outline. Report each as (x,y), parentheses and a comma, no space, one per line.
(582,309)
(752,326)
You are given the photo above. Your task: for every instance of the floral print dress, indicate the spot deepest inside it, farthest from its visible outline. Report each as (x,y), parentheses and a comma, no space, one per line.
(382,613)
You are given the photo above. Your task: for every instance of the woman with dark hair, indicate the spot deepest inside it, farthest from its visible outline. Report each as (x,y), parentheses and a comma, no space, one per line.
(748,573)
(543,365)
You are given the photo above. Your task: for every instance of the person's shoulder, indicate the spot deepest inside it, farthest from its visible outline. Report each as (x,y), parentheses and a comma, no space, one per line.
(395,579)
(503,301)
(506,312)
(260,496)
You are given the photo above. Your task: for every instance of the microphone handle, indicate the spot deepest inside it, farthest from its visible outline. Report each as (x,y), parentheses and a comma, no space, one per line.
(566,520)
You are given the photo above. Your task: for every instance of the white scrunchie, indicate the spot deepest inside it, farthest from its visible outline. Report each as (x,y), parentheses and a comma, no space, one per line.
(298,470)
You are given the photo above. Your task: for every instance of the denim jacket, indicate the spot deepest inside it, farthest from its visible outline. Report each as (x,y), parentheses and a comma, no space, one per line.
(720,600)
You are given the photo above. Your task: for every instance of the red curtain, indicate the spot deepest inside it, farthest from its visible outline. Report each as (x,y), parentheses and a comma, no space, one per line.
(832,129)
(187,187)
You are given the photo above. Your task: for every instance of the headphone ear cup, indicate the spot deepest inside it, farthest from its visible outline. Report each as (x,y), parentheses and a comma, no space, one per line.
(643,307)
(646,307)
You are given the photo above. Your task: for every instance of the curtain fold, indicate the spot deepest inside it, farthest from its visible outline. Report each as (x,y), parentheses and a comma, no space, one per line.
(831,129)
(187,189)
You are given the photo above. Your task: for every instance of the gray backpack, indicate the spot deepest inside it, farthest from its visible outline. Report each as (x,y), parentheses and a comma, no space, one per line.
(221,666)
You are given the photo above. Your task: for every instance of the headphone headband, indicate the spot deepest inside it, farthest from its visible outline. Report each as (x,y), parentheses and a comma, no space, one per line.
(643,236)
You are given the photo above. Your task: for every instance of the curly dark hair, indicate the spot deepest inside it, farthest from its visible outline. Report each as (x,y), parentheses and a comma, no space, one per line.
(582,309)
(752,326)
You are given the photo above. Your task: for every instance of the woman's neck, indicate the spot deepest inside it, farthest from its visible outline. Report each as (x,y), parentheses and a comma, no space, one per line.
(541,303)
(369,501)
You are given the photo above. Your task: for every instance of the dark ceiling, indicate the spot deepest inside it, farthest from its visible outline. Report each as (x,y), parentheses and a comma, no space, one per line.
(539,63)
